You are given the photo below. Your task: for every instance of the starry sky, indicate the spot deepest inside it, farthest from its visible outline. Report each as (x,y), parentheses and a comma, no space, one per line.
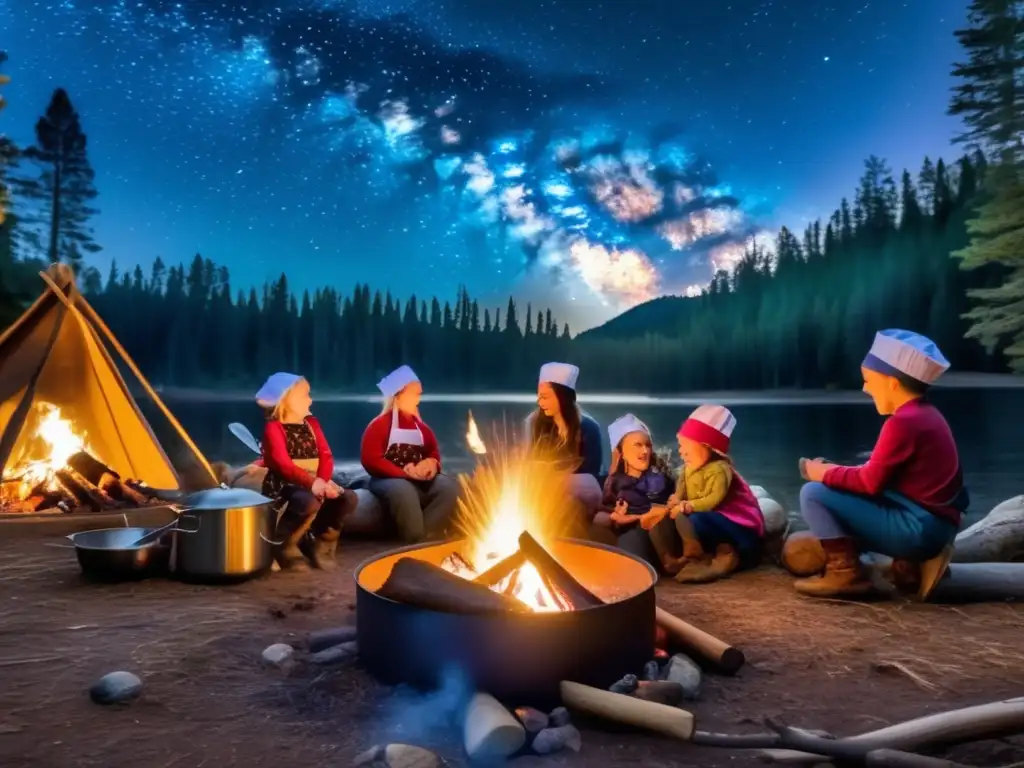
(583,154)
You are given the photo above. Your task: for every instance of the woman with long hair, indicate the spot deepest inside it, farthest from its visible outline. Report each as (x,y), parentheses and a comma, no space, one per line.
(401,455)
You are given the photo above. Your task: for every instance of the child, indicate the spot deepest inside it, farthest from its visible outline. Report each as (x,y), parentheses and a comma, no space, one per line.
(299,467)
(713,509)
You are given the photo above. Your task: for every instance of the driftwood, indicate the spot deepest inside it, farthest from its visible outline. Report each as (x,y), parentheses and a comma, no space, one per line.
(719,654)
(578,595)
(489,731)
(996,538)
(419,583)
(628,710)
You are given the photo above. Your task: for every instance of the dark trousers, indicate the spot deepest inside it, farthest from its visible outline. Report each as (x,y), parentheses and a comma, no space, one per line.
(420,509)
(305,512)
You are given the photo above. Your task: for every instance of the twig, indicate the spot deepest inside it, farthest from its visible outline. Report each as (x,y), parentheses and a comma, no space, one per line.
(30,660)
(885,665)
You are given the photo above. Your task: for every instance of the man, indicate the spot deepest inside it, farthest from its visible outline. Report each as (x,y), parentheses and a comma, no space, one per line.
(907,500)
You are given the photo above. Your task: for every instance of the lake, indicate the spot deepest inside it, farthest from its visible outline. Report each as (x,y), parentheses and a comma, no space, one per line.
(772,433)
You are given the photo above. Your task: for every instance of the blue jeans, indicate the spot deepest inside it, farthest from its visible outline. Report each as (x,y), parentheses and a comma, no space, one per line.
(889,524)
(711,529)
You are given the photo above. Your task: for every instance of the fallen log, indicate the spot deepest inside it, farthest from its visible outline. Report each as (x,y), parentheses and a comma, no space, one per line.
(421,584)
(709,648)
(627,710)
(502,570)
(996,538)
(578,595)
(489,731)
(980,582)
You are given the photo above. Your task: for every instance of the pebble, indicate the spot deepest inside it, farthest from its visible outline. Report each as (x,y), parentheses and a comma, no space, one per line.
(335,654)
(533,720)
(682,669)
(277,654)
(660,692)
(559,716)
(555,739)
(652,670)
(328,638)
(627,684)
(398,756)
(115,687)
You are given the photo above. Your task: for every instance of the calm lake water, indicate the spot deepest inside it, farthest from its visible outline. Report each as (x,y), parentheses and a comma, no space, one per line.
(771,435)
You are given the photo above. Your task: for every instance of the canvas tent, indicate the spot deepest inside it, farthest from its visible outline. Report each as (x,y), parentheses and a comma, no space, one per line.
(55,353)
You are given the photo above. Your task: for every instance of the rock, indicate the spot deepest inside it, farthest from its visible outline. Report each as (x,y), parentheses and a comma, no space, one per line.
(533,720)
(335,654)
(398,756)
(278,654)
(327,638)
(115,687)
(627,684)
(996,538)
(775,519)
(559,716)
(759,492)
(660,692)
(802,554)
(555,739)
(682,669)
(652,670)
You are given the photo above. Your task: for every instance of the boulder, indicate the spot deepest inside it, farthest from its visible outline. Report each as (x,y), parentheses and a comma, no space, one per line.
(759,492)
(775,519)
(996,538)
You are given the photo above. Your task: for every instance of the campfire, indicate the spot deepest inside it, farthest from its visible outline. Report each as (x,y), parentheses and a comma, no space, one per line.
(57,470)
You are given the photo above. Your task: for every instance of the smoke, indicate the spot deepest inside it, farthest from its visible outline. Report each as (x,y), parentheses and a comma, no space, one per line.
(417,718)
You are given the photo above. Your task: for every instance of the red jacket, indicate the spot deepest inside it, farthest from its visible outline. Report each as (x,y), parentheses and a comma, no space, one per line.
(277,460)
(375,444)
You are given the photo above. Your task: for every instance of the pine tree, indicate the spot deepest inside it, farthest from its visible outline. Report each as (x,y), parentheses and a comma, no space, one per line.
(991,103)
(6,148)
(64,188)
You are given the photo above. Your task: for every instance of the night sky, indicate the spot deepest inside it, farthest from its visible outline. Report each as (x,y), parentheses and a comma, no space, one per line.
(587,154)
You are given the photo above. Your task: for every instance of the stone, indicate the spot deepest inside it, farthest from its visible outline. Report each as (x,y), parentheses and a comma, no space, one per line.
(683,670)
(278,654)
(533,720)
(664,692)
(556,739)
(775,518)
(627,684)
(759,492)
(398,756)
(559,716)
(652,670)
(996,538)
(115,688)
(327,638)
(335,654)
(802,554)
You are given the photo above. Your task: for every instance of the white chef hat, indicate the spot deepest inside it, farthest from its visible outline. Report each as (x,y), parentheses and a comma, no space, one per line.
(896,351)
(559,373)
(397,380)
(275,387)
(623,425)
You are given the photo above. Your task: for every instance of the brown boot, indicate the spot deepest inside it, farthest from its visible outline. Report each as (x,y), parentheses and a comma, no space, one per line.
(290,532)
(324,549)
(692,552)
(843,577)
(725,562)
(920,578)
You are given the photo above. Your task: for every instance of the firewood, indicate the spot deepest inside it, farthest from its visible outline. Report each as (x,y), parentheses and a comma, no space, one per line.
(91,468)
(578,595)
(419,583)
(502,570)
(456,563)
(78,487)
(721,655)
(627,710)
(120,491)
(490,732)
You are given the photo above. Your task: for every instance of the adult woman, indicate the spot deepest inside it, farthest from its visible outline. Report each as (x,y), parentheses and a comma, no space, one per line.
(559,427)
(401,455)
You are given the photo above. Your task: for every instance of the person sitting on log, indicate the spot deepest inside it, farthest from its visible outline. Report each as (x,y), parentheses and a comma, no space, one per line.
(401,455)
(907,500)
(713,511)
(560,429)
(299,466)
(638,479)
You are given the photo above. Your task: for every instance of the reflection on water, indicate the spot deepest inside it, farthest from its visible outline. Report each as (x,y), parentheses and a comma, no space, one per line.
(769,438)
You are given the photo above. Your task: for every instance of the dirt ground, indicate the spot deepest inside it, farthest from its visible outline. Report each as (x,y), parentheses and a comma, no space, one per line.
(208,701)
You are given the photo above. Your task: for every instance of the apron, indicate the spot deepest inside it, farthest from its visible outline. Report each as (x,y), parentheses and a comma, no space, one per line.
(302,450)
(405,446)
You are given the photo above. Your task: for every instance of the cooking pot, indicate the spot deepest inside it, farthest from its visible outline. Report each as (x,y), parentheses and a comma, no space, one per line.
(229,535)
(110,554)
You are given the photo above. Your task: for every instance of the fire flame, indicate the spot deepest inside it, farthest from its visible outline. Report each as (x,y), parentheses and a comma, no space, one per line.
(476,444)
(54,440)
(512,491)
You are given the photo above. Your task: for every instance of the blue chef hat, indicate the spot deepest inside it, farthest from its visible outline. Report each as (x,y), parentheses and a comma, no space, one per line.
(274,388)
(896,352)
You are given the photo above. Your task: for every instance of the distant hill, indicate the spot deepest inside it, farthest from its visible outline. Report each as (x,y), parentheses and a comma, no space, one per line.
(667,315)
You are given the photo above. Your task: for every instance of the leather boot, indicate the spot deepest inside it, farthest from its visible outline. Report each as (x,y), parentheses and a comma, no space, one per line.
(693,553)
(291,530)
(324,549)
(910,577)
(843,577)
(725,561)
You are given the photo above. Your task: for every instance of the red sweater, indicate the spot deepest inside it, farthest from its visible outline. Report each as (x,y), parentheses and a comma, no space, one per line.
(375,444)
(915,456)
(277,460)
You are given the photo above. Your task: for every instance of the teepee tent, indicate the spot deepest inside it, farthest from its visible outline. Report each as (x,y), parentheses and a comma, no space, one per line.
(55,355)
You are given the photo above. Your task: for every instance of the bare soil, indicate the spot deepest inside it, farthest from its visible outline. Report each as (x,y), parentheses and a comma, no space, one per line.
(208,701)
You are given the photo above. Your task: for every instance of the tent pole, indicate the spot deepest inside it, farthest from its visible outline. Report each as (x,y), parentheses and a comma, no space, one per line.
(98,322)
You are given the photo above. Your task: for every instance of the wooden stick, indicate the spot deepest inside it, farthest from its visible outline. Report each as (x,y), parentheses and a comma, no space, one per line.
(578,595)
(490,732)
(419,583)
(627,710)
(502,570)
(721,655)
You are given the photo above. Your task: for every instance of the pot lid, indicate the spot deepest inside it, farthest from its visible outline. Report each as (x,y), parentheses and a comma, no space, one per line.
(223,498)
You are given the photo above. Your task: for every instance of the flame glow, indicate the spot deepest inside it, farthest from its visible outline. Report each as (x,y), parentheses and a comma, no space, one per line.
(476,444)
(54,440)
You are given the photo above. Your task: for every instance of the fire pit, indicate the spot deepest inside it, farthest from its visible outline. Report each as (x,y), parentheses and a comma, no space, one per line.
(515,655)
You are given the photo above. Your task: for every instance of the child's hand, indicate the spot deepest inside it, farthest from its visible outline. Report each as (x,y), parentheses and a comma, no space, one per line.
(620,515)
(682,508)
(655,516)
(319,488)
(333,490)
(413,471)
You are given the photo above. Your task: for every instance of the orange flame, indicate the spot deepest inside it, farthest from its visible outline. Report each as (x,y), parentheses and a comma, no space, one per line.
(53,441)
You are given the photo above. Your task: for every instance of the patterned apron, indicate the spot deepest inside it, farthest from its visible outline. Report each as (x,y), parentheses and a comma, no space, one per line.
(405,446)
(302,450)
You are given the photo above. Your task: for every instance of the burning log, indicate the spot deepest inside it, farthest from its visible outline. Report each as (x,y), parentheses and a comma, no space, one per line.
(80,488)
(91,468)
(627,710)
(490,731)
(722,656)
(502,570)
(577,595)
(416,582)
(124,493)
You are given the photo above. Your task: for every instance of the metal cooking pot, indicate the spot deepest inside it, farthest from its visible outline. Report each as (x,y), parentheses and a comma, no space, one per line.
(229,536)
(109,554)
